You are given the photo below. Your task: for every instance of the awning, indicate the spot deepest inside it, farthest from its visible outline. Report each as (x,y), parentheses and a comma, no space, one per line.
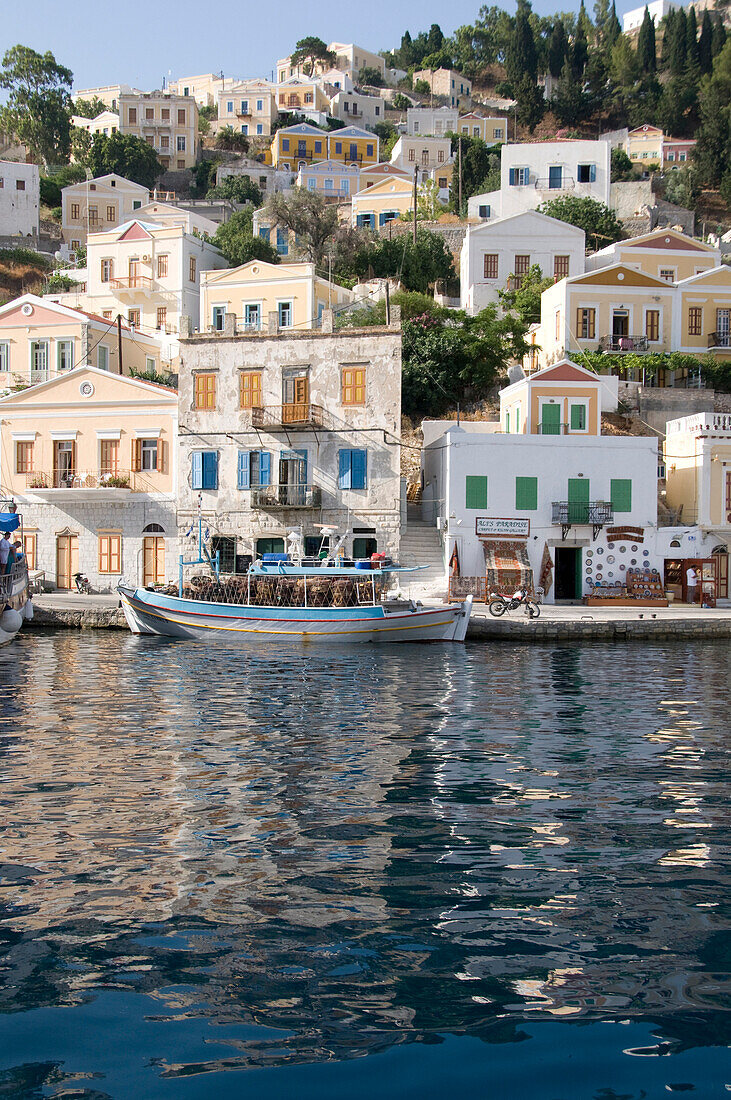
(507,563)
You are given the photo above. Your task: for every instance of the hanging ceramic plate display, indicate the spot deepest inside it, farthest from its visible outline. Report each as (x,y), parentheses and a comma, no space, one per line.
(599,550)
(610,545)
(645,553)
(623,549)
(633,561)
(610,558)
(634,549)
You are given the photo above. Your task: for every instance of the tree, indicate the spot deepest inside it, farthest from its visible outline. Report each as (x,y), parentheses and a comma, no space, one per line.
(421,87)
(579,52)
(239,245)
(419,265)
(525,301)
(38,106)
(712,152)
(558,49)
(307,215)
(705,44)
(678,43)
(479,162)
(570,104)
(681,187)
(89,108)
(371,77)
(400,102)
(600,224)
(435,38)
(125,155)
(428,204)
(81,142)
(613,28)
(309,51)
(51,186)
(718,38)
(239,189)
(531,104)
(206,115)
(204,177)
(646,49)
(692,55)
(521,59)
(231,140)
(622,167)
(388,135)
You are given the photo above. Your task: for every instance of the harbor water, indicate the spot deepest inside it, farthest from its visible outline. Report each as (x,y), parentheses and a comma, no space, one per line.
(324,872)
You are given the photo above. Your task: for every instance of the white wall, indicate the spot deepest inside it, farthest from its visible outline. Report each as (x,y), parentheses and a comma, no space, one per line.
(538,158)
(19,199)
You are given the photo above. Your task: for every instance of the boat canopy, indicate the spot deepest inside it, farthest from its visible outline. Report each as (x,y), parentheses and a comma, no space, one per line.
(9,521)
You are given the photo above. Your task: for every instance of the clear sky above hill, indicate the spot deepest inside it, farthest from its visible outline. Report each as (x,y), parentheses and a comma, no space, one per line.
(141,42)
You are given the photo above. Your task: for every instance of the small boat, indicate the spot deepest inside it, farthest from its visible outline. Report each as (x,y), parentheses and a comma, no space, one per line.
(15,603)
(304,598)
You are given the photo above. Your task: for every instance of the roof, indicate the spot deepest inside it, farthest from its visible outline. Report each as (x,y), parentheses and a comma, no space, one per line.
(615,274)
(124,379)
(722,269)
(72,313)
(303,128)
(530,215)
(353,131)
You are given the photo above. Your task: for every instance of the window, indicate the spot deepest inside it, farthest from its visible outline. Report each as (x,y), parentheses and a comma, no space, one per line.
(681,157)
(484,211)
(560,267)
(695,320)
(652,324)
(204,470)
(64,354)
(416,128)
(149,113)
(93,215)
(108,456)
(191,269)
(312,183)
(180,144)
(585,324)
(522,264)
(150,453)
(440,156)
(475,491)
(102,357)
(229,106)
(30,549)
(165,141)
(425,156)
(621,494)
(181,164)
(111,213)
(412,154)
(250,389)
(519,177)
(285,145)
(577,418)
(133,318)
(75,245)
(442,182)
(4,356)
(110,554)
(162,316)
(260,104)
(181,116)
(352,469)
(20,185)
(204,393)
(252,316)
(132,115)
(254,469)
(338,146)
(671,157)
(329,185)
(668,274)
(150,363)
(497,133)
(308,97)
(75,212)
(284,309)
(586,173)
(526,494)
(107,270)
(107,314)
(259,128)
(218,314)
(353,385)
(369,150)
(244,107)
(165,114)
(558,324)
(490,265)
(23,457)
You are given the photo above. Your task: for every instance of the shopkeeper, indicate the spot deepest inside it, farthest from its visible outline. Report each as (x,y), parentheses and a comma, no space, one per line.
(691,583)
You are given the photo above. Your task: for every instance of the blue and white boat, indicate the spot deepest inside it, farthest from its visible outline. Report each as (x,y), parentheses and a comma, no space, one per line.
(15,604)
(304,598)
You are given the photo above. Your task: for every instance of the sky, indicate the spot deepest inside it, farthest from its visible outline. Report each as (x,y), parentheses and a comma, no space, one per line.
(139,43)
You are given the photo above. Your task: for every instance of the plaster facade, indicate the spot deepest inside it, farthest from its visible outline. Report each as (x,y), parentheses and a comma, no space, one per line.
(20,199)
(101,203)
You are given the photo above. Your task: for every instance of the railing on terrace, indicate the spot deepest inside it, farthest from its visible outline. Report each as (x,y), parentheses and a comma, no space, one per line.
(719,339)
(9,581)
(303,415)
(623,343)
(701,422)
(544,183)
(569,513)
(132,282)
(287,496)
(553,429)
(89,479)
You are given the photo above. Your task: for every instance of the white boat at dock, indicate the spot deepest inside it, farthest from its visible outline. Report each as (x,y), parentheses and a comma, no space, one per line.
(15,603)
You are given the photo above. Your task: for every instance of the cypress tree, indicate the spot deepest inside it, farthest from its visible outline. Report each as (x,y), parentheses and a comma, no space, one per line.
(435,39)
(691,39)
(579,51)
(668,34)
(613,29)
(522,59)
(678,44)
(718,38)
(646,51)
(569,104)
(558,48)
(601,17)
(705,55)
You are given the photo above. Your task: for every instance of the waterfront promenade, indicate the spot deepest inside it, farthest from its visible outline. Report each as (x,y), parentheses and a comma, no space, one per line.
(58,610)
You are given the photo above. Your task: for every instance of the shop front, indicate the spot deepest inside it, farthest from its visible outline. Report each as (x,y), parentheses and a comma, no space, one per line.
(697,580)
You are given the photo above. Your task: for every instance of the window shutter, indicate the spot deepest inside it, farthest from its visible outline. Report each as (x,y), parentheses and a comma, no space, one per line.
(244,471)
(475,492)
(592,173)
(621,494)
(196,468)
(210,470)
(579,325)
(134,464)
(160,467)
(578,418)
(344,479)
(265,468)
(358,468)
(512,177)
(526,494)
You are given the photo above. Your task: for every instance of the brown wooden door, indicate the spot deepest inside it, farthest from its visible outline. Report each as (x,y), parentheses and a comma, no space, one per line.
(153,554)
(721,576)
(67,560)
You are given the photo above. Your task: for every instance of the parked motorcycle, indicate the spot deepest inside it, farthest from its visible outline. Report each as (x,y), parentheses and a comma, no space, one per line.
(82,583)
(499,603)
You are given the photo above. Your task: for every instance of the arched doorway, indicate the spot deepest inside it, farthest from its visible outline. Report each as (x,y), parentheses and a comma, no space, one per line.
(67,558)
(153,554)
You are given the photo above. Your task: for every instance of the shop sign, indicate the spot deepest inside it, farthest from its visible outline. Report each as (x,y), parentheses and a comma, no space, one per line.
(488,527)
(630,534)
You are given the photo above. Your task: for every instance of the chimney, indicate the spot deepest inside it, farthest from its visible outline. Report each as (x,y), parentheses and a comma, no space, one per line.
(328,319)
(272,323)
(229,324)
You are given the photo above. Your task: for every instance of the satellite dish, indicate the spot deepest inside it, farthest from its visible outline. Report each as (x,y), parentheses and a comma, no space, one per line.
(515,373)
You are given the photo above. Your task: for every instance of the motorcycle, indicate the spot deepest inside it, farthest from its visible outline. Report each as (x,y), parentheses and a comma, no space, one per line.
(499,603)
(82,583)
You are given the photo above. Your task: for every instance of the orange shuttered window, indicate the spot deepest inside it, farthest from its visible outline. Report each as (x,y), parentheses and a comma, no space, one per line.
(110,553)
(695,321)
(24,457)
(353,388)
(652,324)
(205,391)
(250,389)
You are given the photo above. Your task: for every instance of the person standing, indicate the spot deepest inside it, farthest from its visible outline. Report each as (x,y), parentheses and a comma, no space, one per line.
(4,551)
(691,583)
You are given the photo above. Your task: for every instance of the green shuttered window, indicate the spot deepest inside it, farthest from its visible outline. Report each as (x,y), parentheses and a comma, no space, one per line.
(621,494)
(526,494)
(578,418)
(476,492)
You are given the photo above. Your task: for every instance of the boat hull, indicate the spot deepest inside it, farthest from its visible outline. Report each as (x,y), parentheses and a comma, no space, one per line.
(174,617)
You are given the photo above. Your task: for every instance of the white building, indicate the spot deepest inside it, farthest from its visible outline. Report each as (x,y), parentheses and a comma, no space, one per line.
(109,94)
(20,199)
(534,172)
(436,121)
(658,9)
(495,250)
(540,500)
(364,110)
(267,177)
(105,123)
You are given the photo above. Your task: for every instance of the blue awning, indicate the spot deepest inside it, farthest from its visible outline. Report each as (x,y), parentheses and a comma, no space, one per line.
(9,521)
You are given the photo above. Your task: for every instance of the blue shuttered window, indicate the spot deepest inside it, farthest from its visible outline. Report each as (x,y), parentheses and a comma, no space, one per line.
(352,469)
(254,469)
(204,470)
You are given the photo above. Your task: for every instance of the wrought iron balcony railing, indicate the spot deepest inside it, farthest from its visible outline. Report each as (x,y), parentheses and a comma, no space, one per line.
(623,343)
(584,513)
(286,496)
(719,339)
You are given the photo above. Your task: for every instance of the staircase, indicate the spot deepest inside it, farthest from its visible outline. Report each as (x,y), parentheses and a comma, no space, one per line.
(421,544)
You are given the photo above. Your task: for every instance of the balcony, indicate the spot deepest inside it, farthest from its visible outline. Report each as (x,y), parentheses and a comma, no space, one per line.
(287,496)
(545,183)
(289,416)
(353,158)
(635,344)
(132,287)
(584,513)
(99,484)
(719,340)
(553,429)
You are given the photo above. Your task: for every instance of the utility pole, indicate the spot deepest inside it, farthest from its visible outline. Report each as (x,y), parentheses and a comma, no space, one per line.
(388,304)
(119,341)
(416,173)
(459,149)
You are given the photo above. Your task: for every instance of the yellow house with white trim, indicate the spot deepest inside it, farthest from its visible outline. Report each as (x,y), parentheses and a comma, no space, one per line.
(704,313)
(294,293)
(299,145)
(665,253)
(563,399)
(490,130)
(383,202)
(644,145)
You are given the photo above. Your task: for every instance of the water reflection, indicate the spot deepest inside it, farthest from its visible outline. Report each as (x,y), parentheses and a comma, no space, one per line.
(327,854)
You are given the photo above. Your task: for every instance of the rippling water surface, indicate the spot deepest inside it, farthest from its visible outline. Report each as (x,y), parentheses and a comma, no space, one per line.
(380,872)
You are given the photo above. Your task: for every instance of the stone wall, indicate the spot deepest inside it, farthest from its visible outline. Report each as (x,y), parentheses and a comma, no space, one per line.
(658,405)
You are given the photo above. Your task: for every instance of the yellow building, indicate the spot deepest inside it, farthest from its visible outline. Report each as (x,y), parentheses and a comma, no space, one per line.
(490,130)
(99,203)
(667,254)
(564,399)
(261,294)
(382,202)
(299,93)
(40,339)
(169,123)
(249,107)
(91,459)
(645,145)
(371,174)
(697,453)
(704,313)
(299,145)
